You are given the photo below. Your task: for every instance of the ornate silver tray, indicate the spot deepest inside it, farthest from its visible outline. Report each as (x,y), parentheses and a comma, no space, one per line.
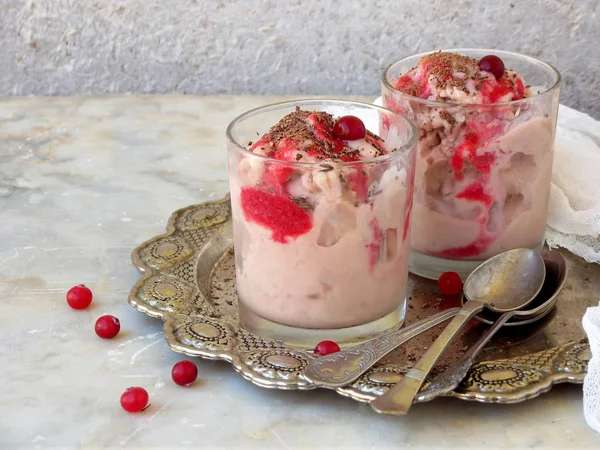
(189,282)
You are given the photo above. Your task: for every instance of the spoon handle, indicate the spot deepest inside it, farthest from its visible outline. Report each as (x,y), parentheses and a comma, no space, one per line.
(341,368)
(454,374)
(399,398)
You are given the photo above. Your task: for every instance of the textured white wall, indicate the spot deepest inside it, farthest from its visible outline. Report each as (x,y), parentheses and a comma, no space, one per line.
(67,47)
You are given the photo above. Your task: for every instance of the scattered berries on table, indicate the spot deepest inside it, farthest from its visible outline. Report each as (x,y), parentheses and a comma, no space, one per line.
(79,297)
(134,399)
(450,283)
(184,373)
(107,327)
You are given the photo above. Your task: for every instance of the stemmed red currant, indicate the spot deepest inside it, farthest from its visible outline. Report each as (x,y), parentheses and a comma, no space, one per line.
(79,297)
(134,399)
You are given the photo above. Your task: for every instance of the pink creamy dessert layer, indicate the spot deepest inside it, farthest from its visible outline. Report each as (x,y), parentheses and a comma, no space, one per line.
(479,215)
(453,78)
(483,173)
(348,269)
(322,246)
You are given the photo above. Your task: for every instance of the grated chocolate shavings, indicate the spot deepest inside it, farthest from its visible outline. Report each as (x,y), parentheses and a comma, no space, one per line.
(444,114)
(295,127)
(444,65)
(292,126)
(303,203)
(374,136)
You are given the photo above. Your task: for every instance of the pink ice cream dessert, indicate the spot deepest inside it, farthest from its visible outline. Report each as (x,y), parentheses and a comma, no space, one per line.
(454,78)
(484,158)
(320,223)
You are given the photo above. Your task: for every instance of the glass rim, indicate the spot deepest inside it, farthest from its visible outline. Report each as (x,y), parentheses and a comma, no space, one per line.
(387,83)
(299,164)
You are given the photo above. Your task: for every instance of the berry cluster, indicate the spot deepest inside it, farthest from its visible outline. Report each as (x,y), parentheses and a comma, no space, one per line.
(134,399)
(184,373)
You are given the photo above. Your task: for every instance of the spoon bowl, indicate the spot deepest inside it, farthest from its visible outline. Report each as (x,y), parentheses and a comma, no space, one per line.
(542,306)
(508,281)
(504,284)
(544,302)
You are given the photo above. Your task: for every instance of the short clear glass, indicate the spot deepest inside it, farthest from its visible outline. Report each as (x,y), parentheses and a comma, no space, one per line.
(483,172)
(326,256)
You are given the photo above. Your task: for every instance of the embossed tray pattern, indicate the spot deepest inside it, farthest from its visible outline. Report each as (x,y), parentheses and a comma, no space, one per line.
(189,282)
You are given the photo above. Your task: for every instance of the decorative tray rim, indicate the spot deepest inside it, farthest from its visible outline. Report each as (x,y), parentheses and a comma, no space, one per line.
(192,326)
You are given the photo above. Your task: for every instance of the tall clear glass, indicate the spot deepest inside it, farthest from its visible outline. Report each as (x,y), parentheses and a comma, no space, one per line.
(324,254)
(483,172)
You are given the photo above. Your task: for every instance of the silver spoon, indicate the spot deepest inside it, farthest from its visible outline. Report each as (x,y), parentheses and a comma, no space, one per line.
(508,281)
(343,367)
(556,270)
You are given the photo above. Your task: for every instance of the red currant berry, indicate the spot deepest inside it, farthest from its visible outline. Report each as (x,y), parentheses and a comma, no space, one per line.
(450,283)
(184,373)
(79,297)
(493,65)
(107,327)
(349,128)
(134,399)
(326,347)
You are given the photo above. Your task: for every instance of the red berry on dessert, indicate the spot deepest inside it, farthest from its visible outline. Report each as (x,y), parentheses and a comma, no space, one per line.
(349,128)
(492,64)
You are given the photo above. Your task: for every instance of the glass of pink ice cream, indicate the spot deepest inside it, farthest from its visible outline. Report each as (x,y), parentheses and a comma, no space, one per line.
(321,193)
(486,121)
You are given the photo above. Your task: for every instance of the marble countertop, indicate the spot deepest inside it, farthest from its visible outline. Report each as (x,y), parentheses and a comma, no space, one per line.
(85,180)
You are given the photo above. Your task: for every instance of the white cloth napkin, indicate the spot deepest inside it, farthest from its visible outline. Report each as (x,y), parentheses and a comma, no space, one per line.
(574,213)
(591,383)
(574,221)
